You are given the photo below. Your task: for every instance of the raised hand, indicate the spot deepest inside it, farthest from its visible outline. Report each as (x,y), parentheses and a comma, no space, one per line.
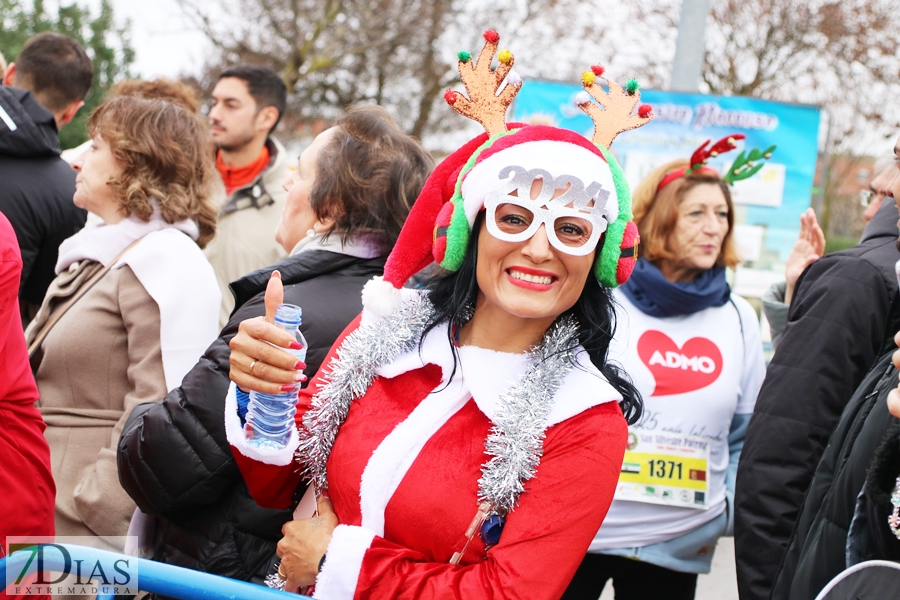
(483,103)
(810,246)
(256,363)
(618,105)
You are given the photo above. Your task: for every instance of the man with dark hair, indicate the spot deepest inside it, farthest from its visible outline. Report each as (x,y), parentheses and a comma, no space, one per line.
(42,91)
(247,103)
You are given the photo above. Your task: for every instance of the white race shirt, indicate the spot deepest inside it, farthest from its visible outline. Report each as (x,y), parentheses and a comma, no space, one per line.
(694,373)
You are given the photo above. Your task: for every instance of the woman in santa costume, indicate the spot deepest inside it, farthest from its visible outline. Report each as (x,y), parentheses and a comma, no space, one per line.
(465,442)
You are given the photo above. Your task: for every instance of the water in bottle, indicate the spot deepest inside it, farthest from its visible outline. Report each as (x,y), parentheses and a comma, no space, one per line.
(270,417)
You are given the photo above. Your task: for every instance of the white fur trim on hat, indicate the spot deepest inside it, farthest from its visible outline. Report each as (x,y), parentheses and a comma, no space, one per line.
(556,157)
(380,297)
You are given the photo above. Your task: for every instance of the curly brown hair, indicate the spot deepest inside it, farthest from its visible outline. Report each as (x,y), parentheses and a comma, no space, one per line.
(176,92)
(165,155)
(656,212)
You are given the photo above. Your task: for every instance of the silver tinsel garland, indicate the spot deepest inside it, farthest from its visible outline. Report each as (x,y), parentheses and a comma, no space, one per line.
(372,345)
(274,580)
(515,441)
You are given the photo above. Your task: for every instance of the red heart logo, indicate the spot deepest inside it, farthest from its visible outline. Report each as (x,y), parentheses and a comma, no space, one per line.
(676,370)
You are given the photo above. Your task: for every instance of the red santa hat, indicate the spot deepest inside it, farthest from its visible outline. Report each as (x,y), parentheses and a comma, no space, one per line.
(441,220)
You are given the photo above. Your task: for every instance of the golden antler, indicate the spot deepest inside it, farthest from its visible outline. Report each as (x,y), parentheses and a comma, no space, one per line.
(484,104)
(618,105)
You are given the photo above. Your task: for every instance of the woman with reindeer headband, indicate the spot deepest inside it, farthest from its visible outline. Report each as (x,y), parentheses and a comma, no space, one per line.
(466,441)
(694,352)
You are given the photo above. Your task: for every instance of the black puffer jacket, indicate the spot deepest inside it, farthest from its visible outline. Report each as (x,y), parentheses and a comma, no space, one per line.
(870,536)
(817,550)
(173,457)
(845,313)
(36,189)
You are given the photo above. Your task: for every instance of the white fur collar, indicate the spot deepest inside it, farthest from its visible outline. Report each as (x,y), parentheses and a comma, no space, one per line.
(584,387)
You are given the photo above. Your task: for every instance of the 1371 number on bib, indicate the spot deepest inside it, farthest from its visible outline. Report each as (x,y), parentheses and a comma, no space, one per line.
(665,468)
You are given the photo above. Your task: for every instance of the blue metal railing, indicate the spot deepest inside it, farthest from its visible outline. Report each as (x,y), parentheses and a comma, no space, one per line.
(154,577)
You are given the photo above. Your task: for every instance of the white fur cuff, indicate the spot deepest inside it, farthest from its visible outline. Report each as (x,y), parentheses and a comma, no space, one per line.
(343,562)
(236,438)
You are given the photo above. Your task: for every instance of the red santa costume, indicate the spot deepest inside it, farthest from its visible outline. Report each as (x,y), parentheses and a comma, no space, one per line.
(403,475)
(411,434)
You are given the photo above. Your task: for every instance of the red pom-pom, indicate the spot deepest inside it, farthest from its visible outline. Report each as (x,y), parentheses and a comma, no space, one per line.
(492,36)
(645,111)
(450,97)
(598,70)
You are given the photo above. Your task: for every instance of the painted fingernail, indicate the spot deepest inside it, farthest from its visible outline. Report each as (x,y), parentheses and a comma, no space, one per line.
(296,346)
(299,365)
(288,388)
(299,377)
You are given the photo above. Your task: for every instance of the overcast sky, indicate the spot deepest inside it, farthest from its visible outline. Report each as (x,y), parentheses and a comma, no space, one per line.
(165,42)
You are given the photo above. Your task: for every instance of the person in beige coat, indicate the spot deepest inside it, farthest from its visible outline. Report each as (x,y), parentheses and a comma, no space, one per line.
(134,303)
(247,104)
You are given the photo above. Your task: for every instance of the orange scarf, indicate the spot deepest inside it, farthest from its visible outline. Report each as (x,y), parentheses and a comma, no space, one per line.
(237,177)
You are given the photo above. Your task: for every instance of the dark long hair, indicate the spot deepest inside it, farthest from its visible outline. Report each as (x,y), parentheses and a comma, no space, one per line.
(454,293)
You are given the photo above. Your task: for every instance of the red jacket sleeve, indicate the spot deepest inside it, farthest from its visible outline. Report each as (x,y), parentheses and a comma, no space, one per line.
(26,480)
(543,542)
(273,480)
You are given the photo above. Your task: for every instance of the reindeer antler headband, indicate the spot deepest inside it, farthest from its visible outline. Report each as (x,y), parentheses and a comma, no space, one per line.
(488,99)
(440,223)
(618,105)
(742,168)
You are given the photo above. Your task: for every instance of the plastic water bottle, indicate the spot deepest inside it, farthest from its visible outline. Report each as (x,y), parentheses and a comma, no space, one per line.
(270,417)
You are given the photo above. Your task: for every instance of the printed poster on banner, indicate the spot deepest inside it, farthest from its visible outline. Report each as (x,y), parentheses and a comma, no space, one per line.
(768,205)
(665,468)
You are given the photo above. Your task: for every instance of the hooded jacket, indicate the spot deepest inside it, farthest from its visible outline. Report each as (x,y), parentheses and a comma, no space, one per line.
(174,459)
(844,315)
(36,189)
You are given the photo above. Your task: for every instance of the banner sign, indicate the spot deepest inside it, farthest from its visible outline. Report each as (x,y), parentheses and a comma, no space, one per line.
(768,205)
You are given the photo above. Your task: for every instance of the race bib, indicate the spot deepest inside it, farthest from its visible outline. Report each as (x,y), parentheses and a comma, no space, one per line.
(665,468)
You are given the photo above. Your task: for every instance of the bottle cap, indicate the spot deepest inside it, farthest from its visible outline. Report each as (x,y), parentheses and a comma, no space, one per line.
(288,315)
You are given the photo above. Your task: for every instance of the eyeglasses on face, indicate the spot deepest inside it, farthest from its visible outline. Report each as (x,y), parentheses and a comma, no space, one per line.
(866,197)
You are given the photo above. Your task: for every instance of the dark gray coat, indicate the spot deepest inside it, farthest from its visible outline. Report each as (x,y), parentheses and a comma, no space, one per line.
(844,315)
(817,549)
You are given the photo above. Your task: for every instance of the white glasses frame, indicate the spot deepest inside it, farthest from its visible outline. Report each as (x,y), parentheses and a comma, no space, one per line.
(546,216)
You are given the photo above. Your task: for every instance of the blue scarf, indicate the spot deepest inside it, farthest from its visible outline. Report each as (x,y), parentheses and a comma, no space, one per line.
(656,296)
